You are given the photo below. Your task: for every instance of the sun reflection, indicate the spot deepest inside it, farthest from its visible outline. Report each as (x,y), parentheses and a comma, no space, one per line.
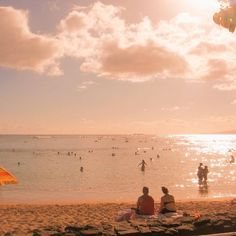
(210,144)
(214,151)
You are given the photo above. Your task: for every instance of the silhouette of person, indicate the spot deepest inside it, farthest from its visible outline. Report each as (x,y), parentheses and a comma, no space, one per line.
(143,164)
(205,174)
(167,204)
(200,173)
(145,204)
(232,159)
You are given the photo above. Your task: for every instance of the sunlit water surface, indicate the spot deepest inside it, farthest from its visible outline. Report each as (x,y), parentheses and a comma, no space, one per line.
(46,176)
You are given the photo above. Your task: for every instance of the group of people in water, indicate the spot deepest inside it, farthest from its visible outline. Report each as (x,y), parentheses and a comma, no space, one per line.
(202,174)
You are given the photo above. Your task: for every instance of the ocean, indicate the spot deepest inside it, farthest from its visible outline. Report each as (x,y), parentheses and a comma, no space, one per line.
(49,167)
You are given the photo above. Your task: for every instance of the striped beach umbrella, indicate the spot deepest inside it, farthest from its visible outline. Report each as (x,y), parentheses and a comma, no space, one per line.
(6,177)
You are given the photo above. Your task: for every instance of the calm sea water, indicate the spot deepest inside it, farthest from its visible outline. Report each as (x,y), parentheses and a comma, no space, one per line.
(48,176)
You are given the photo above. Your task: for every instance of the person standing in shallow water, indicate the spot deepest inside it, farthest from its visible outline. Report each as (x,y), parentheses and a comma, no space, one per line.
(205,174)
(200,173)
(142,164)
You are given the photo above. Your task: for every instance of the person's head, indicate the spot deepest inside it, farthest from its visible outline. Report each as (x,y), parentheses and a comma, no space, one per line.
(145,190)
(165,190)
(200,164)
(206,167)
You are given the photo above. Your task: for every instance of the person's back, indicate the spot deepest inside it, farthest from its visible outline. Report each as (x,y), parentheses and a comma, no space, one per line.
(169,202)
(145,204)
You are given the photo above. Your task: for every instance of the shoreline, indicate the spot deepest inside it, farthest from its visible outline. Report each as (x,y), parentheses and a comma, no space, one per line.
(93,202)
(23,219)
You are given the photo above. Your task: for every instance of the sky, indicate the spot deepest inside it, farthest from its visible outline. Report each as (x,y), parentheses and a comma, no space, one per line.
(115,67)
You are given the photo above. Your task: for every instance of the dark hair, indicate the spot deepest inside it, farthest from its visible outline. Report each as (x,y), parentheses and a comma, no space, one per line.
(164,190)
(145,189)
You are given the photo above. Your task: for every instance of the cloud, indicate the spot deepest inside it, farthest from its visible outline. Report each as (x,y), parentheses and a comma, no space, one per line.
(73,22)
(229,86)
(114,49)
(203,48)
(84,85)
(142,60)
(175,108)
(184,47)
(209,124)
(217,70)
(21,49)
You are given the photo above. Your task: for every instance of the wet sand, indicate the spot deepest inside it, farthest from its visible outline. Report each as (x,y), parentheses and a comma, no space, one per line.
(23,219)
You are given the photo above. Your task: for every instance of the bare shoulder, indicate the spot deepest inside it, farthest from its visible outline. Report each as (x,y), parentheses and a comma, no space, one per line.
(151,198)
(140,198)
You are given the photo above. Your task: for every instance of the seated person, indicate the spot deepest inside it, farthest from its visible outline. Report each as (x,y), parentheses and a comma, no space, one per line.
(145,204)
(167,202)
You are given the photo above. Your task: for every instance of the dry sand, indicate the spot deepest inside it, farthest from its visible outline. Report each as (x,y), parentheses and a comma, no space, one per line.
(24,218)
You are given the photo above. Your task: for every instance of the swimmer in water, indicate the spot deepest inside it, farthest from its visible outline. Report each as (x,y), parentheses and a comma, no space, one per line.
(232,159)
(142,164)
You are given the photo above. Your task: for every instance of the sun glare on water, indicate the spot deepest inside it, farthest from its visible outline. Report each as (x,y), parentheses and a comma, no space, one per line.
(208,144)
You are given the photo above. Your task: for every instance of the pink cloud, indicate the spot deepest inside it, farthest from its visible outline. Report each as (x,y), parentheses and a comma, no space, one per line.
(233,102)
(73,22)
(228,86)
(204,48)
(142,60)
(175,108)
(20,48)
(187,47)
(217,70)
(112,48)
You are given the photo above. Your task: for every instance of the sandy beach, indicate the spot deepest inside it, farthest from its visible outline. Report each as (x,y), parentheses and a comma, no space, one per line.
(23,219)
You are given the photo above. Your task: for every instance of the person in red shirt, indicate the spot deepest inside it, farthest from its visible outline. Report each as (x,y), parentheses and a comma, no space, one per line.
(145,204)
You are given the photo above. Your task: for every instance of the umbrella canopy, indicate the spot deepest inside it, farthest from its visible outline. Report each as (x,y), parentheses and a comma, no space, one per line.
(6,177)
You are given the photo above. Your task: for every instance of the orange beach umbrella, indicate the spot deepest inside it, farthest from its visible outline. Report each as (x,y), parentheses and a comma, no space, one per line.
(6,177)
